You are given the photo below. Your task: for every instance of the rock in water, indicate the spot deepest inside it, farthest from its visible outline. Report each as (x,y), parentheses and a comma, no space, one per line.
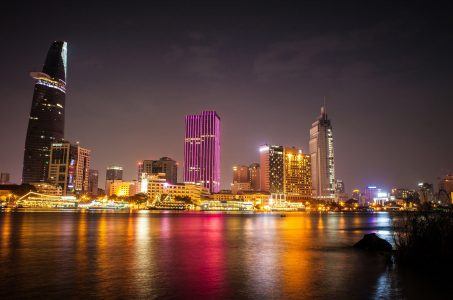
(374,243)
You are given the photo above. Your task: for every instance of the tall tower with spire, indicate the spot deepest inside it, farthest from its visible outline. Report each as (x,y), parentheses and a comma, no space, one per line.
(322,157)
(46,121)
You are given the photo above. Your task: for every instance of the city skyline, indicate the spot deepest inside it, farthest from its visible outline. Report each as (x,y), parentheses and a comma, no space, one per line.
(395,113)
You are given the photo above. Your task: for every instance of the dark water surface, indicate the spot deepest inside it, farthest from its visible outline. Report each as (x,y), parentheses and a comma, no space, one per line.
(197,255)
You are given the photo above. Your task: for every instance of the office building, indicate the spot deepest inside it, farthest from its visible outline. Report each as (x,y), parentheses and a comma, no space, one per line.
(339,186)
(426,192)
(47,115)
(93,182)
(69,167)
(322,157)
(164,165)
(296,175)
(4,178)
(114,173)
(202,150)
(404,194)
(374,194)
(271,168)
(254,177)
(239,187)
(446,189)
(240,174)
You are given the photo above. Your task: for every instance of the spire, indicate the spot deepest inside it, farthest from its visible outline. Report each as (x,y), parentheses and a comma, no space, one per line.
(324,110)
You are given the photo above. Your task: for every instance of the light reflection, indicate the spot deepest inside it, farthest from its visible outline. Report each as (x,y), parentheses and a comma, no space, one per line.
(5,223)
(206,255)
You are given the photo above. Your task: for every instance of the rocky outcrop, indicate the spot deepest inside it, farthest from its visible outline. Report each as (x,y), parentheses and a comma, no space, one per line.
(373,243)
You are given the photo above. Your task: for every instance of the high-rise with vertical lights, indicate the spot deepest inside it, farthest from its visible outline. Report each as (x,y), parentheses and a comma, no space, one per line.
(46,121)
(322,157)
(202,150)
(271,171)
(297,174)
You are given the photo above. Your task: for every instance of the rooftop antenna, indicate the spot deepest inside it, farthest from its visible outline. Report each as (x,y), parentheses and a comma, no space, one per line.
(323,108)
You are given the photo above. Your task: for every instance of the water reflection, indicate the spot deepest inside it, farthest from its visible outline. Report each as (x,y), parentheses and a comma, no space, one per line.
(191,256)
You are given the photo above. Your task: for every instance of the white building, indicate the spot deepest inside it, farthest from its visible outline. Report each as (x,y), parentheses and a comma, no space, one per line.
(322,157)
(157,186)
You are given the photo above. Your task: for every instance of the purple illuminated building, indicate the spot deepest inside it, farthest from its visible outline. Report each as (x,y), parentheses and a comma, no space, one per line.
(202,150)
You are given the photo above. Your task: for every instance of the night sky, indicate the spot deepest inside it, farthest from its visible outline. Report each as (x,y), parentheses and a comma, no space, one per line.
(135,71)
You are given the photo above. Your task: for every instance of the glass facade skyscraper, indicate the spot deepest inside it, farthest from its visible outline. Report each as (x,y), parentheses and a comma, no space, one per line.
(322,157)
(202,150)
(46,121)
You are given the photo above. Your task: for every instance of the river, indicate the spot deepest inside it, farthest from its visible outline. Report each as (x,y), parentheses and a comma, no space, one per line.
(198,255)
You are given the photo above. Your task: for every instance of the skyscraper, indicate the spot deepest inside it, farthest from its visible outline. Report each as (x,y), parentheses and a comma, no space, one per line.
(69,167)
(202,150)
(93,182)
(297,174)
(240,174)
(271,171)
(46,122)
(241,180)
(254,176)
(322,157)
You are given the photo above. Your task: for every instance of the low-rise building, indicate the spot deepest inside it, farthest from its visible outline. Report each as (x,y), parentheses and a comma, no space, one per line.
(122,188)
(249,196)
(47,188)
(238,187)
(158,186)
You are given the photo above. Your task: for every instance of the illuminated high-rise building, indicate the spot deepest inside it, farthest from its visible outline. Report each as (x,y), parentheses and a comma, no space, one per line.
(46,121)
(254,177)
(297,174)
(202,150)
(271,168)
(322,157)
(69,167)
(240,174)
